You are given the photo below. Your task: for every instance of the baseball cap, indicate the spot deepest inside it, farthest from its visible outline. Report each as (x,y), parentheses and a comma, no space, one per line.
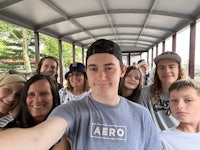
(167,55)
(104,46)
(76,66)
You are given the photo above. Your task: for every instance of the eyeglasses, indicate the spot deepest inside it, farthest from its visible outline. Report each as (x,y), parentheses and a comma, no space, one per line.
(76,74)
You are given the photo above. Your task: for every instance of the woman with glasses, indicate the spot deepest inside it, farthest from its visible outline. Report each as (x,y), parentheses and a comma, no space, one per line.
(11,86)
(77,83)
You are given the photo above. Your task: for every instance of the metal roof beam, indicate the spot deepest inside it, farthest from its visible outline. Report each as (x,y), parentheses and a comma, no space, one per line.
(7,3)
(66,17)
(117,11)
(123,26)
(109,19)
(125,34)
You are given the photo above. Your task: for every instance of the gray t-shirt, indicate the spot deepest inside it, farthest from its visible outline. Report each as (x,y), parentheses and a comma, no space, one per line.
(160,112)
(96,126)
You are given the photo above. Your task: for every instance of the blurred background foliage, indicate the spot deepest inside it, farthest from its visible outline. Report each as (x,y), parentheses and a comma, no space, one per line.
(17,49)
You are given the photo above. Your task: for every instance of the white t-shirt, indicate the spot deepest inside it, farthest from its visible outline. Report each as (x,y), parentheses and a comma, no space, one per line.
(173,139)
(66,95)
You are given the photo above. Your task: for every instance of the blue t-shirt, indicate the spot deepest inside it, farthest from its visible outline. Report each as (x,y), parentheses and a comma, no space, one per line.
(96,126)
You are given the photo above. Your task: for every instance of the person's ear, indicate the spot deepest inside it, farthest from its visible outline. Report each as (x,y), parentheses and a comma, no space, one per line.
(123,71)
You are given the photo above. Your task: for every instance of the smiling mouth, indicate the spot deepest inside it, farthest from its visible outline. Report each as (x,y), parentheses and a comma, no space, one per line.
(131,83)
(6,103)
(167,76)
(37,106)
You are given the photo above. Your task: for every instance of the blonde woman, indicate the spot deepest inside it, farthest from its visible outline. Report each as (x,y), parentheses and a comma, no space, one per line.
(11,86)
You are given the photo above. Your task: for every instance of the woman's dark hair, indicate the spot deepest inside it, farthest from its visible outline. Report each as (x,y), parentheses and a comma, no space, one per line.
(23,117)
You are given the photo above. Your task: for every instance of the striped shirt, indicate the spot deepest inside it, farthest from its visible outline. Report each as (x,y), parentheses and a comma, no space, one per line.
(5,120)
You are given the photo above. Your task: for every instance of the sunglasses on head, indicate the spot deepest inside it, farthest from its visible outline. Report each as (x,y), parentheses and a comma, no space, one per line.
(12,72)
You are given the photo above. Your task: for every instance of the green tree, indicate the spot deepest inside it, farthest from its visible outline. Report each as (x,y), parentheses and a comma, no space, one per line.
(16,47)
(18,44)
(50,47)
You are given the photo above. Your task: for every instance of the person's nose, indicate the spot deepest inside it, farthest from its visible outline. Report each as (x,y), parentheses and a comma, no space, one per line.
(180,104)
(11,97)
(166,69)
(48,68)
(37,97)
(101,74)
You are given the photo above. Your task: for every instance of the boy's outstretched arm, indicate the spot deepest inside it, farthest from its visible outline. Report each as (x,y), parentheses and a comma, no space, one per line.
(40,137)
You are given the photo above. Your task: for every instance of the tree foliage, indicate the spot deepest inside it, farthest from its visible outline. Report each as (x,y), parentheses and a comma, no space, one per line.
(17,49)
(50,47)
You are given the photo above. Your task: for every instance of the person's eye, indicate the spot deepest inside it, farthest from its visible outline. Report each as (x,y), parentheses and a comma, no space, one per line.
(30,95)
(93,69)
(137,78)
(44,93)
(173,100)
(188,100)
(79,73)
(109,69)
(160,68)
(7,90)
(53,67)
(129,76)
(172,66)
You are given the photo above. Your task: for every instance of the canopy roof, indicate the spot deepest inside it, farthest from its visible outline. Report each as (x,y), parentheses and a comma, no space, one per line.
(136,25)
